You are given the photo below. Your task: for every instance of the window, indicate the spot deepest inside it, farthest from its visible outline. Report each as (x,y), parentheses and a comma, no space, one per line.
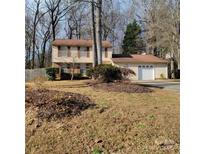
(105,52)
(125,66)
(82,69)
(77,66)
(62,51)
(83,51)
(65,68)
(88,66)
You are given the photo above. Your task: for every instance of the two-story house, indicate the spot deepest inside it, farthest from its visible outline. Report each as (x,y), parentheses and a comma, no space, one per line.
(66,52)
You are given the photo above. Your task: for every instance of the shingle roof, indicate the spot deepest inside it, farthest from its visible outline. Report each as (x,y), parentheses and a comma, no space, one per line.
(82,43)
(139,59)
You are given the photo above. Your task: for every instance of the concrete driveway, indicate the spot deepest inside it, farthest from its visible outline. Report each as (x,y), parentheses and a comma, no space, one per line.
(169,85)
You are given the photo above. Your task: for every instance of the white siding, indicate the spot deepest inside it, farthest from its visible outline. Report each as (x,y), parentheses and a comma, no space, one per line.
(158,69)
(74,53)
(63,51)
(83,52)
(161,69)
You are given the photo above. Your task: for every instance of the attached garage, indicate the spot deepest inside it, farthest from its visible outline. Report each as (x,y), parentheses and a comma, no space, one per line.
(145,72)
(146,67)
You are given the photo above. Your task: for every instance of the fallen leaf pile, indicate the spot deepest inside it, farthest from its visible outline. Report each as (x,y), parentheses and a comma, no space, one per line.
(53,104)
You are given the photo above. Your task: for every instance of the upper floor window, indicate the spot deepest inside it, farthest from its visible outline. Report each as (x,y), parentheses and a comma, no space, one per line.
(105,52)
(83,52)
(64,51)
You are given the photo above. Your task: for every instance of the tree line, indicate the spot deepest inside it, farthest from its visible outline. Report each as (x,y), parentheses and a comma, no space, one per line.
(132,26)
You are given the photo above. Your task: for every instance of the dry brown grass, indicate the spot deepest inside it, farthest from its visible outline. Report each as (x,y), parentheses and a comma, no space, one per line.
(120,123)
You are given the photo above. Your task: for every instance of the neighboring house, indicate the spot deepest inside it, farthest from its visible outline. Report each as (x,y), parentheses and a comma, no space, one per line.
(146,67)
(66,52)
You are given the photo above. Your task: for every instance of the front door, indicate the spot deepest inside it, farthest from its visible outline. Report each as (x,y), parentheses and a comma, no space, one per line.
(83,69)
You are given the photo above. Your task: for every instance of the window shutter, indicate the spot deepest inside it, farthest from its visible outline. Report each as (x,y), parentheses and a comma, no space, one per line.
(88,52)
(78,52)
(69,53)
(59,51)
(106,53)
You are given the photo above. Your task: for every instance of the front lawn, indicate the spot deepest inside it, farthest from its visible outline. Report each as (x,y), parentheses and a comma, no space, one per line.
(119,123)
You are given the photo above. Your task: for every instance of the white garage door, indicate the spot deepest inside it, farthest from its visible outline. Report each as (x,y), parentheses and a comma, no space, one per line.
(145,72)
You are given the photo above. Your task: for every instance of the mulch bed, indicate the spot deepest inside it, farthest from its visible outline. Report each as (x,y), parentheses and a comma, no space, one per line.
(54,105)
(121,87)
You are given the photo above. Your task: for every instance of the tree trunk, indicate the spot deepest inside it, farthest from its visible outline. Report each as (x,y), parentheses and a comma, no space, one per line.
(50,56)
(53,32)
(27,57)
(35,22)
(29,60)
(99,31)
(94,46)
(71,34)
(33,50)
(172,67)
(42,62)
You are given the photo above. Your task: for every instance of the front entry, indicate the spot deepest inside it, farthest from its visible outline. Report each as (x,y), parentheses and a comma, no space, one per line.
(145,72)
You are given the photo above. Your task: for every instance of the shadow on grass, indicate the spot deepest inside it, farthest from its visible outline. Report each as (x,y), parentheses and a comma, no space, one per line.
(150,86)
(70,86)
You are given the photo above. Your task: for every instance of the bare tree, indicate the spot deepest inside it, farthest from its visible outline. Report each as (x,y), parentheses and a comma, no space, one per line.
(44,34)
(73,14)
(76,19)
(57,9)
(99,30)
(37,15)
(162,30)
(113,23)
(35,22)
(94,35)
(28,41)
(69,28)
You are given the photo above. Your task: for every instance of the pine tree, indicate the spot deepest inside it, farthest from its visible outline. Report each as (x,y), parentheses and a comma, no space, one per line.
(132,42)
